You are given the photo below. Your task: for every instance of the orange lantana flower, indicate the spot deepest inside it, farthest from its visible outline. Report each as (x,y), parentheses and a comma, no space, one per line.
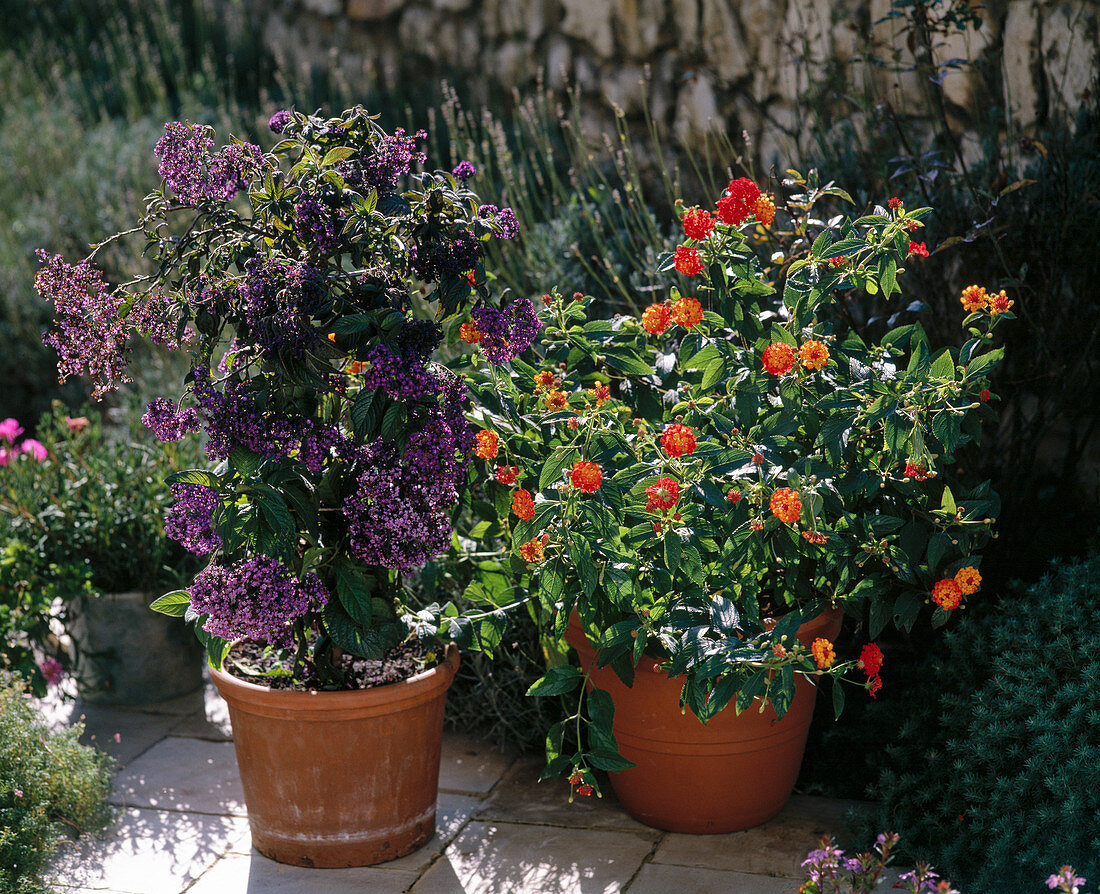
(1000,303)
(823,652)
(786,505)
(968,580)
(764,209)
(813,354)
(778,358)
(678,439)
(532,551)
(556,400)
(600,392)
(688,312)
(974,298)
(469,333)
(586,476)
(522,504)
(487,445)
(656,318)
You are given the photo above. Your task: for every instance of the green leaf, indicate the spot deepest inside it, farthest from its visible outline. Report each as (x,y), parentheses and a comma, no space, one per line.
(558,680)
(194,476)
(371,643)
(879,618)
(339,153)
(365,412)
(981,366)
(354,594)
(393,423)
(838,699)
(556,464)
(175,603)
(943,366)
(625,360)
(724,614)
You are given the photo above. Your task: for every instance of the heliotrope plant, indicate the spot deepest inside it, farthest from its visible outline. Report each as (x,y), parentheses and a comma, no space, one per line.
(308,285)
(697,483)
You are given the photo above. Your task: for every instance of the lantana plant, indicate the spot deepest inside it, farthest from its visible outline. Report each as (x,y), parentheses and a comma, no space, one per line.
(698,483)
(308,285)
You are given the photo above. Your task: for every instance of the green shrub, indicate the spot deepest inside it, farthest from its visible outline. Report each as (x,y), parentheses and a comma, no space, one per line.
(996,777)
(46,780)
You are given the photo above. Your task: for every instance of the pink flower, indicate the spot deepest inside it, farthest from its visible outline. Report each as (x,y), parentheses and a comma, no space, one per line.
(35,448)
(78,424)
(52,670)
(5,456)
(10,429)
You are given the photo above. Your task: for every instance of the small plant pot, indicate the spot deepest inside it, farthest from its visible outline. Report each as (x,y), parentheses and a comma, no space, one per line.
(126,654)
(734,773)
(337,779)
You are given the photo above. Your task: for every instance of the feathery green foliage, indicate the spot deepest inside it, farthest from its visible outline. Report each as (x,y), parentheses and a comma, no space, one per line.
(997,777)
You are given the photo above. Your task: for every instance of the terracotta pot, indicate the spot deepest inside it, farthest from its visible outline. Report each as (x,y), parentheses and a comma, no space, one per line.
(734,773)
(127,654)
(340,778)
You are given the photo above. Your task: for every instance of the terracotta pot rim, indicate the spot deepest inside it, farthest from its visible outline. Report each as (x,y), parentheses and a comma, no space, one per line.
(416,687)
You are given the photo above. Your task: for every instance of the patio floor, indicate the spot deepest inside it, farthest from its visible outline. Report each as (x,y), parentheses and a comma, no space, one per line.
(182,827)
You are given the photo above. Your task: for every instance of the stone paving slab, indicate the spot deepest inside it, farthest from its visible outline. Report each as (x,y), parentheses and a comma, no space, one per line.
(487,858)
(657,878)
(148,852)
(189,775)
(777,848)
(520,798)
(470,766)
(255,874)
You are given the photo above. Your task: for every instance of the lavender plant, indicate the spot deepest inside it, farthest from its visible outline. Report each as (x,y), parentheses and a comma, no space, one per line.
(309,286)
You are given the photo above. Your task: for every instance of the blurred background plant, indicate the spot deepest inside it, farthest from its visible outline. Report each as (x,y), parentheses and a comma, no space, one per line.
(50,784)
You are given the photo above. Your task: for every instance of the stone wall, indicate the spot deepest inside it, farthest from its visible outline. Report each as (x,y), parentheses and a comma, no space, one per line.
(732,65)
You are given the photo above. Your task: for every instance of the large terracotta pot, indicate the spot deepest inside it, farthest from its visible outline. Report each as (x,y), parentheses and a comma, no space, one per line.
(340,778)
(734,773)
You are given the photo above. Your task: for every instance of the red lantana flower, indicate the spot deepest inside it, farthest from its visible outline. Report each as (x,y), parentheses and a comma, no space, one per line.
(585,790)
(656,318)
(662,495)
(786,505)
(984,395)
(734,496)
(678,439)
(918,248)
(870,660)
(686,261)
(778,358)
(586,476)
(523,505)
(893,202)
(687,312)
(487,445)
(506,475)
(916,472)
(758,459)
(698,224)
(737,204)
(947,594)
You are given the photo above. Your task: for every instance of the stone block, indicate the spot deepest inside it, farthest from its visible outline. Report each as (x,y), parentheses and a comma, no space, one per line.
(183,774)
(255,872)
(372,10)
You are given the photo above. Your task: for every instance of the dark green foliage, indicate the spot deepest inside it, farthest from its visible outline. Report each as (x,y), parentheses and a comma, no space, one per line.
(996,777)
(46,779)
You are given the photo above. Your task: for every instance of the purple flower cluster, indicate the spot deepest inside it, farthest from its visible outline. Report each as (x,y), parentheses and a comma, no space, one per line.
(256,598)
(89,333)
(278,122)
(418,338)
(232,419)
(167,423)
(509,332)
(463,171)
(446,258)
(151,317)
(398,378)
(393,160)
(507,227)
(399,516)
(194,173)
(273,304)
(317,226)
(395,519)
(318,442)
(190,518)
